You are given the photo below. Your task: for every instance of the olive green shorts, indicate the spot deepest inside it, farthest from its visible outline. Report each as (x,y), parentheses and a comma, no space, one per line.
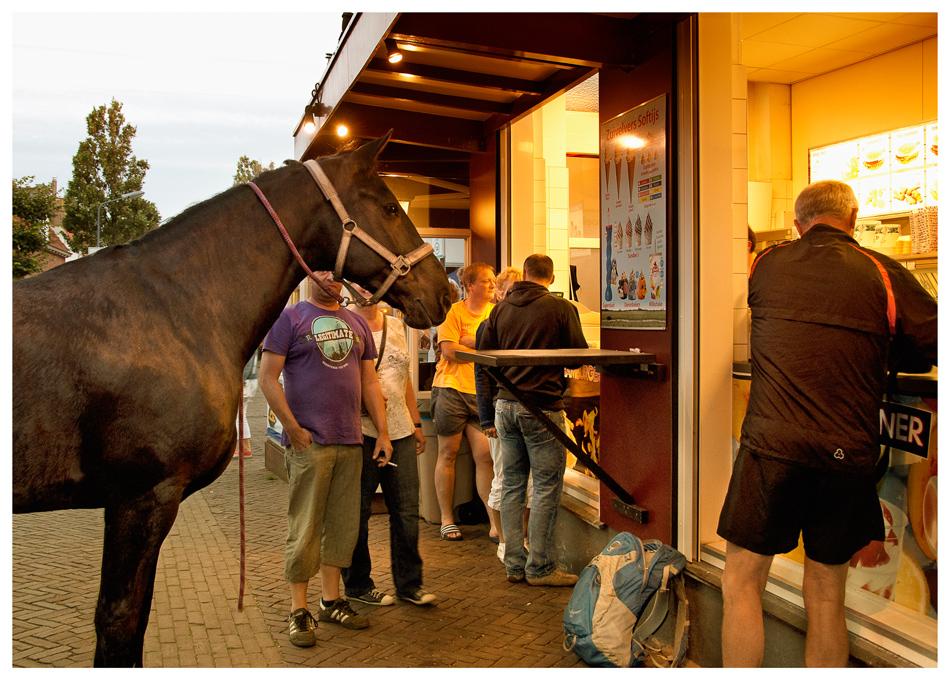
(323,510)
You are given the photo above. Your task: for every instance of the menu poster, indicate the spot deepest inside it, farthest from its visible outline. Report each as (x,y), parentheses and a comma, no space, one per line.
(893,172)
(634,245)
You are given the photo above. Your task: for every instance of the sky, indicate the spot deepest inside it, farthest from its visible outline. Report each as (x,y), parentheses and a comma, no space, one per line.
(201,89)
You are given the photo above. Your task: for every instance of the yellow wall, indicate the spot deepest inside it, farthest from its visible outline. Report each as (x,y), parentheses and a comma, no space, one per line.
(540,200)
(723,182)
(895,90)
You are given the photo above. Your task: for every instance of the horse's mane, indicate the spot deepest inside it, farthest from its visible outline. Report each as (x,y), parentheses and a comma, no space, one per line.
(219,202)
(200,210)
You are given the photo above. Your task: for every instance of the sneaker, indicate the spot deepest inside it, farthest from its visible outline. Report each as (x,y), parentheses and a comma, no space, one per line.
(500,553)
(555,578)
(302,626)
(341,612)
(374,596)
(418,596)
(512,578)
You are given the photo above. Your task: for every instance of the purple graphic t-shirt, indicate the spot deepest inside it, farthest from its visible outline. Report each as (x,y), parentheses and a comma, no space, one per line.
(323,351)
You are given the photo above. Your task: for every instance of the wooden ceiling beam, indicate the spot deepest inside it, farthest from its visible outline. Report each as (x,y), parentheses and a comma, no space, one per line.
(409,127)
(455,76)
(413,95)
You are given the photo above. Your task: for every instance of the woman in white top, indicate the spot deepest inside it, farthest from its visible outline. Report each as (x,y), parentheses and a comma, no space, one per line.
(399,479)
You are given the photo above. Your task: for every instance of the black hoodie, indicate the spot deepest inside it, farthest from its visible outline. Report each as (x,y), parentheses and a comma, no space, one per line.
(530,317)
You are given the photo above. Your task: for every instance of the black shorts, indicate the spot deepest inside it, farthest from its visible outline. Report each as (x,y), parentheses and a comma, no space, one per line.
(770,502)
(452,411)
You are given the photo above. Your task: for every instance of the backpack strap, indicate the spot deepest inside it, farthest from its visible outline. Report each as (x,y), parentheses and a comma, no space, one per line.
(382,343)
(653,652)
(653,615)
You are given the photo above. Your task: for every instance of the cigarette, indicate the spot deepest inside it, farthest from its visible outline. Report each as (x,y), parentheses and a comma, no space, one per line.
(392,463)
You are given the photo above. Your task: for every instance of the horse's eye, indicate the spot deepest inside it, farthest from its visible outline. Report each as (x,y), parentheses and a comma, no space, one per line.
(391,209)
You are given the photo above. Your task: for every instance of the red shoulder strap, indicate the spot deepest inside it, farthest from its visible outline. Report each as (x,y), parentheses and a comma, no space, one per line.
(891,304)
(767,250)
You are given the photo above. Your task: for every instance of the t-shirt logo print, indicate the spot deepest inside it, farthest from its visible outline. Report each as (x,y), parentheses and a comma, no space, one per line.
(333,338)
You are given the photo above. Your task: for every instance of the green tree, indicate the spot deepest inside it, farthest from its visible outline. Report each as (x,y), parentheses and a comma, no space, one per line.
(33,208)
(104,169)
(248,170)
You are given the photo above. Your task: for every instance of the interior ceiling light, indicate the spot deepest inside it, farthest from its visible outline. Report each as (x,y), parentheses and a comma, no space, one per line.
(341,131)
(393,55)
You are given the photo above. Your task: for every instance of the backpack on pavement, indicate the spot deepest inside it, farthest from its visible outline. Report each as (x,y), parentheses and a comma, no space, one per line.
(621,601)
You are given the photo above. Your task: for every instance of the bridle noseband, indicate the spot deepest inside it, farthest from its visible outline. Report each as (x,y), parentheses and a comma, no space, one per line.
(400,264)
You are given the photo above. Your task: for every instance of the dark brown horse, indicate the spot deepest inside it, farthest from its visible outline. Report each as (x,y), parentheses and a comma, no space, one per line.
(127,365)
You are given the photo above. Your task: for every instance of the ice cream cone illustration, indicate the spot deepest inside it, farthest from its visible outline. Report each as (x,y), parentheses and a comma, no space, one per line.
(619,162)
(607,165)
(631,161)
(628,230)
(638,232)
(648,229)
(655,278)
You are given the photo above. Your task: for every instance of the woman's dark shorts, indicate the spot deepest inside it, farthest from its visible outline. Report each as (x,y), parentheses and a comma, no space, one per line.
(452,411)
(770,502)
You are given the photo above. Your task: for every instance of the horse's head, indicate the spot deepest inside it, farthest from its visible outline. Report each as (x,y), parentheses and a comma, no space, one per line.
(423,293)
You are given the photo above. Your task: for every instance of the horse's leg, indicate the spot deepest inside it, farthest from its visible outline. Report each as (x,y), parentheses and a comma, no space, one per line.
(134,532)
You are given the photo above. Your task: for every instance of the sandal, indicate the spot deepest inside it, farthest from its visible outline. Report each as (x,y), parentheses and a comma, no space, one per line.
(448,530)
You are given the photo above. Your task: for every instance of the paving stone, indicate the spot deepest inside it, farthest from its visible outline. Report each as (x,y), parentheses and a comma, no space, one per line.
(479,621)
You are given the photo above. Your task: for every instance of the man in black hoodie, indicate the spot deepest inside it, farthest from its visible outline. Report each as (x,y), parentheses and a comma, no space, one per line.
(530,317)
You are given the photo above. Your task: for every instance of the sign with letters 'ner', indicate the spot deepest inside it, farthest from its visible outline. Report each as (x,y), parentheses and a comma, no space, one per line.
(905,428)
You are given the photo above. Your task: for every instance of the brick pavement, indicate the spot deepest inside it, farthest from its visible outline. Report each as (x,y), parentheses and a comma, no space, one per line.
(480,620)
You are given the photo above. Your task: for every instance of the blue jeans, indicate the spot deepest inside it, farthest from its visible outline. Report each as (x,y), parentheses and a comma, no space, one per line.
(527,446)
(401,493)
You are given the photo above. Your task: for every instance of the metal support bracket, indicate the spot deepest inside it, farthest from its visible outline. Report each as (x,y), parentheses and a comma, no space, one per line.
(634,512)
(651,372)
(624,503)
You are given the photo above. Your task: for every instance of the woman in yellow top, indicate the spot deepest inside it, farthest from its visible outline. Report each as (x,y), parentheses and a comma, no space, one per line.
(454,408)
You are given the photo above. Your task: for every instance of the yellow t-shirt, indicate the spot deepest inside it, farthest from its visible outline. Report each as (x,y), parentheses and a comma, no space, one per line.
(458,323)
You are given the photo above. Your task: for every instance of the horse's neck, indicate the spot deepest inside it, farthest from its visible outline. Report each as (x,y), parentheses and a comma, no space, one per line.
(237,269)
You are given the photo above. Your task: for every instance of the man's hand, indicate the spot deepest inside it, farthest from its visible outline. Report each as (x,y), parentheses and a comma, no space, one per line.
(383,451)
(420,441)
(491,432)
(300,438)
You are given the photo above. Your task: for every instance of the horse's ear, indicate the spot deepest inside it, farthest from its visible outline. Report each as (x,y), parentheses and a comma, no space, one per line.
(371,150)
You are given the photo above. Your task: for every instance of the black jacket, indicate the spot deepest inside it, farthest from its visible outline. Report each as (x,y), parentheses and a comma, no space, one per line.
(824,333)
(530,317)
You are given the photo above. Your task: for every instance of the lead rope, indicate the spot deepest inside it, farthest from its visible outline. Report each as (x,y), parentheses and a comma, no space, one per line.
(293,249)
(241,488)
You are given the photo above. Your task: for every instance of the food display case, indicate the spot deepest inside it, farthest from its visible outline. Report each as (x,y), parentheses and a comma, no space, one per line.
(895,176)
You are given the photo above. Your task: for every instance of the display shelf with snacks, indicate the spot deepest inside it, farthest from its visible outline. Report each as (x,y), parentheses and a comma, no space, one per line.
(892,173)
(897,194)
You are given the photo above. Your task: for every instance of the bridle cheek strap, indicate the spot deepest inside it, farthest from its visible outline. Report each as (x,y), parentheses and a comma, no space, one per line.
(399,264)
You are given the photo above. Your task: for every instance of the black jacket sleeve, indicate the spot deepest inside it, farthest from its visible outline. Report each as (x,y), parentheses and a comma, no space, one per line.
(914,346)
(484,385)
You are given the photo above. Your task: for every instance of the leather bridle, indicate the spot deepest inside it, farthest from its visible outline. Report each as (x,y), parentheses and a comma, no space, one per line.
(399,264)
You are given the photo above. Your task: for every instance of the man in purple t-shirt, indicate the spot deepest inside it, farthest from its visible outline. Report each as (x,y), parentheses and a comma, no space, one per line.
(326,354)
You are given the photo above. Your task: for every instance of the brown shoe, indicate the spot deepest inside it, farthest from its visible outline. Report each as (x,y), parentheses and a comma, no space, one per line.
(512,578)
(555,578)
